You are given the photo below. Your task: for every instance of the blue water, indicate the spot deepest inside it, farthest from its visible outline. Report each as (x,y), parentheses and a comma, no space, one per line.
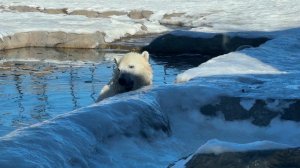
(56,83)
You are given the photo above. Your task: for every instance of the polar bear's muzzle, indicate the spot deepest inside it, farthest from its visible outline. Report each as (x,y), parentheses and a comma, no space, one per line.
(126,81)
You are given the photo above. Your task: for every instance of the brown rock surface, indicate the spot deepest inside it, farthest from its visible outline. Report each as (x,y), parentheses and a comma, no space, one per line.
(140,14)
(24,8)
(52,39)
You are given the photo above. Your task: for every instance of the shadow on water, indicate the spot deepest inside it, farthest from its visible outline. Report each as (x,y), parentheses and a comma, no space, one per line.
(40,83)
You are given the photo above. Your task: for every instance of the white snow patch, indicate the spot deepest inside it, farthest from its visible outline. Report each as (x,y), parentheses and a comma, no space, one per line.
(229,64)
(114,28)
(278,105)
(181,163)
(216,146)
(247,104)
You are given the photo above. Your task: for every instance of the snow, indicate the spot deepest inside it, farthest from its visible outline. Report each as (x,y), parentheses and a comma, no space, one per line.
(274,58)
(114,28)
(216,146)
(230,16)
(247,104)
(230,64)
(132,129)
(155,126)
(102,5)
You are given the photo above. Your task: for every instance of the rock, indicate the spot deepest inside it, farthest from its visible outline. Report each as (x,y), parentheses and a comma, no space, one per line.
(52,39)
(292,112)
(280,158)
(5,68)
(182,61)
(53,54)
(74,40)
(85,13)
(56,11)
(139,14)
(17,40)
(168,19)
(187,42)
(170,16)
(24,8)
(259,112)
(111,13)
(131,43)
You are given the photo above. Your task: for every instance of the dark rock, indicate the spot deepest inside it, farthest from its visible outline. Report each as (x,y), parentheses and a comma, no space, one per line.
(187,42)
(259,113)
(283,158)
(293,112)
(181,62)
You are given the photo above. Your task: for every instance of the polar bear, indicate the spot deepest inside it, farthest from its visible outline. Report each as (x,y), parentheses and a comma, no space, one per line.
(132,72)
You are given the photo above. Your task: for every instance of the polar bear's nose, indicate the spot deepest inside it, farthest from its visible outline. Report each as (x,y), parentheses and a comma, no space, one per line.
(122,81)
(126,81)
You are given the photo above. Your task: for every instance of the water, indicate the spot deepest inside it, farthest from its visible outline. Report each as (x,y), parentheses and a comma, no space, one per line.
(39,83)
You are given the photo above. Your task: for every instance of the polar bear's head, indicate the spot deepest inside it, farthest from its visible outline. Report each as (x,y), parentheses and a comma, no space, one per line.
(133,71)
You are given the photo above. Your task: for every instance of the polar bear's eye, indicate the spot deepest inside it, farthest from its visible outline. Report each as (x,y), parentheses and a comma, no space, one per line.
(131,66)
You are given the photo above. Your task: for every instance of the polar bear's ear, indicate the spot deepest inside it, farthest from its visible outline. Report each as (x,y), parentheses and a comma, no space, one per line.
(117,60)
(145,54)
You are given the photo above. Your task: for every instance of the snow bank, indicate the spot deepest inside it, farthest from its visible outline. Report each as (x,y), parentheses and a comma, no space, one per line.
(135,129)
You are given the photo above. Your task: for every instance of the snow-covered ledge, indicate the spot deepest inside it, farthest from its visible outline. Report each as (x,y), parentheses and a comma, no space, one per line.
(36,29)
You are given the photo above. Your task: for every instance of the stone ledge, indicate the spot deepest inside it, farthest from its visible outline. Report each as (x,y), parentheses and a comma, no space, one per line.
(52,39)
(214,44)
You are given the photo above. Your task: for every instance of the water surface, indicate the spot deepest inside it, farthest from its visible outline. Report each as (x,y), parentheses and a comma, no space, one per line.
(39,83)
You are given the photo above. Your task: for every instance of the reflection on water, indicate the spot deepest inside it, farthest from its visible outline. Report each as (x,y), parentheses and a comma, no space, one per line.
(40,83)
